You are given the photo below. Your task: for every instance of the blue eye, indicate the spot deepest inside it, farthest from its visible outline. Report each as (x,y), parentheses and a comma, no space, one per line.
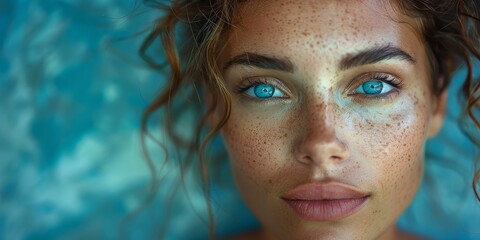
(264,91)
(374,87)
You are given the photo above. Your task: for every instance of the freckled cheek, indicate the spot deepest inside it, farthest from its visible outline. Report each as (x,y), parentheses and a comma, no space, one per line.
(255,147)
(393,136)
(393,148)
(390,140)
(400,158)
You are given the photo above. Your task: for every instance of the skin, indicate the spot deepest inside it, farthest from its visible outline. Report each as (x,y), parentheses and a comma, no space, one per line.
(319,130)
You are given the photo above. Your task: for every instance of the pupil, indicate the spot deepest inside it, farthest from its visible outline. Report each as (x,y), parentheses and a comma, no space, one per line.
(373,87)
(264,91)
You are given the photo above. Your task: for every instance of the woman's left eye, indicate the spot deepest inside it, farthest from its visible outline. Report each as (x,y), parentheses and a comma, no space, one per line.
(264,90)
(374,87)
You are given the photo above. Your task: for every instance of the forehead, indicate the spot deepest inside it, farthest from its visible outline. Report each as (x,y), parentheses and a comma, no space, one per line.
(311,29)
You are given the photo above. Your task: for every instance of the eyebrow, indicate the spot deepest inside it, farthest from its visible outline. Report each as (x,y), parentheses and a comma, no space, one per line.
(374,55)
(365,57)
(261,61)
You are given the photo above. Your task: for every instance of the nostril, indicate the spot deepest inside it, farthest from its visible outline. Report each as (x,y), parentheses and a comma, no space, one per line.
(321,152)
(336,158)
(339,158)
(306,159)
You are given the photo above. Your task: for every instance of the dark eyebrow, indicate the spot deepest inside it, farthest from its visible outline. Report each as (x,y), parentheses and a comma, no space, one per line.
(261,61)
(373,55)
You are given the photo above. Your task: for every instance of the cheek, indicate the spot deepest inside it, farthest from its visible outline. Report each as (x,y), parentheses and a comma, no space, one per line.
(392,149)
(392,136)
(392,139)
(255,146)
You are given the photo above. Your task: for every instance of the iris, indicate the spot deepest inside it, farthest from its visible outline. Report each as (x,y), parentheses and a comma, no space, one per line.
(372,87)
(264,91)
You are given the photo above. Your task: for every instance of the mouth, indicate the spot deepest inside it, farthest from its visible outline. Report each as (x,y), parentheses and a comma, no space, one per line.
(325,201)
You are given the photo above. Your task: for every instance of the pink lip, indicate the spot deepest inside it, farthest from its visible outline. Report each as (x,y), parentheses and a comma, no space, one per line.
(325,201)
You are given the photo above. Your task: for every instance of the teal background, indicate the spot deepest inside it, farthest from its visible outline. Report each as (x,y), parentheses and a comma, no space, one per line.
(72,89)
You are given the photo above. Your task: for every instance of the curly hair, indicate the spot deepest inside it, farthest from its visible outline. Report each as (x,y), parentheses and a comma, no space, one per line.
(451,30)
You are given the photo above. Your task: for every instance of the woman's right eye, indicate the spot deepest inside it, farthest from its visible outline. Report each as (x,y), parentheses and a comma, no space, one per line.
(264,90)
(261,88)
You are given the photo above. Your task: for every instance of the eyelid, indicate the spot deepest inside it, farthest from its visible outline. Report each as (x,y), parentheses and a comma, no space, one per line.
(388,78)
(253,81)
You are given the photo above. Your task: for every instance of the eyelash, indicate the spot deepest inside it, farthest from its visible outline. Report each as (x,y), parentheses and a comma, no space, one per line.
(393,81)
(382,77)
(252,82)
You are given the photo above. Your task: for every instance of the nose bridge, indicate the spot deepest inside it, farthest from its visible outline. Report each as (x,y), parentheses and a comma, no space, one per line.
(319,122)
(319,142)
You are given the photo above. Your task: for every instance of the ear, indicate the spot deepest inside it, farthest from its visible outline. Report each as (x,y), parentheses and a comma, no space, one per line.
(438,114)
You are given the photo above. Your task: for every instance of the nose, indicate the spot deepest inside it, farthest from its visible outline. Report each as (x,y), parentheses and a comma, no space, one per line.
(318,142)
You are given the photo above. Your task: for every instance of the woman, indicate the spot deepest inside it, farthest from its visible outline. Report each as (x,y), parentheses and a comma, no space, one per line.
(324,106)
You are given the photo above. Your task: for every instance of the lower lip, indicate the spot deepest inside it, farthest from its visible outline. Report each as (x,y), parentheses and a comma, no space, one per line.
(326,210)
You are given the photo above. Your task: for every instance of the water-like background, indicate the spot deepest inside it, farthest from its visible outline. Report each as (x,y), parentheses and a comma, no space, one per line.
(72,90)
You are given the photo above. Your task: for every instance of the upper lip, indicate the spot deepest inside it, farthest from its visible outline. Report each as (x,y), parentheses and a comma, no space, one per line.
(324,191)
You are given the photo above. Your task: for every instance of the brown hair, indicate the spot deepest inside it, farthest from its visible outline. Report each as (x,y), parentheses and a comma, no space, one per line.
(450,28)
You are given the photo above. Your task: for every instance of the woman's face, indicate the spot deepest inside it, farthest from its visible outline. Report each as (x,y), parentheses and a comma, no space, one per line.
(331,107)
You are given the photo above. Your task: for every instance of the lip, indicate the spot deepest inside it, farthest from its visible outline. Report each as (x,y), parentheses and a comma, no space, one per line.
(325,201)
